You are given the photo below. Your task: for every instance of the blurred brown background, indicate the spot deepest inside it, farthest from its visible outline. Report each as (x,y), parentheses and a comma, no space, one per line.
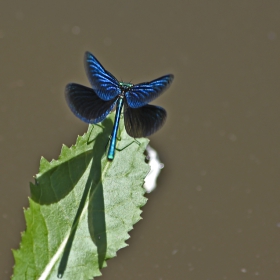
(216,211)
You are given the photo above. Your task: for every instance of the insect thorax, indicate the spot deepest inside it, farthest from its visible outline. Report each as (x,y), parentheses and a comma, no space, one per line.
(125,86)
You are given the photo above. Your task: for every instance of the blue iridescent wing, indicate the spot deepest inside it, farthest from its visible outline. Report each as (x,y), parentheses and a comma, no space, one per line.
(86,105)
(105,85)
(142,94)
(143,121)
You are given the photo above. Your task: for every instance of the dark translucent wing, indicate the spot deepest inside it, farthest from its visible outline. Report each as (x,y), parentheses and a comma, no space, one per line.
(142,94)
(86,105)
(105,85)
(143,121)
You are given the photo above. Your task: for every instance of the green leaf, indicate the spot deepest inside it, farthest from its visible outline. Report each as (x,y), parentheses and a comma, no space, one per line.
(82,207)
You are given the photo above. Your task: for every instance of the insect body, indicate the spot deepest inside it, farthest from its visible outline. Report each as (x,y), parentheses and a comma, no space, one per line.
(92,105)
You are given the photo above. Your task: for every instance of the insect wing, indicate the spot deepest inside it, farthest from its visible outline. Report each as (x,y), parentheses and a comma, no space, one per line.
(143,121)
(142,94)
(105,85)
(86,105)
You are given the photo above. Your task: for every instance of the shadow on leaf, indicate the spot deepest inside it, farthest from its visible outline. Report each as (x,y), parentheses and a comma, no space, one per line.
(59,181)
(96,211)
